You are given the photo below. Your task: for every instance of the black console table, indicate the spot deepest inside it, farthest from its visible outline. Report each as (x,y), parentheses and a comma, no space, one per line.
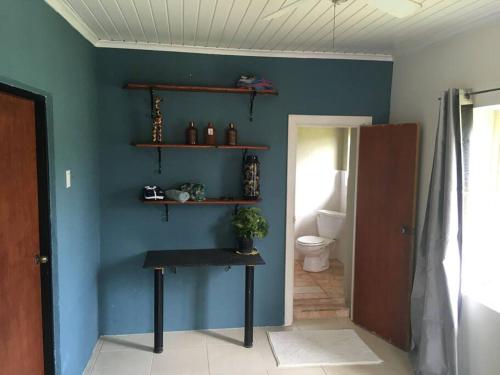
(161,259)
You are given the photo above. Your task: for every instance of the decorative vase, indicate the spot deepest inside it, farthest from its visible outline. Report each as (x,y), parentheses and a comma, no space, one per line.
(251,177)
(245,245)
(191,134)
(157,121)
(210,134)
(231,135)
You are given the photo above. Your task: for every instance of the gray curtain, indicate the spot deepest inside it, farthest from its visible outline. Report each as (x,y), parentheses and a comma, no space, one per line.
(435,301)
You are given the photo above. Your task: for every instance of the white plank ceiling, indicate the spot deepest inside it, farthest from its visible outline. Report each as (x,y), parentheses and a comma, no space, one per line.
(237,26)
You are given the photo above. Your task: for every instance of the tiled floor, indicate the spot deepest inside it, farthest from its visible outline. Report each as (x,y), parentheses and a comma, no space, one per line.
(220,352)
(319,295)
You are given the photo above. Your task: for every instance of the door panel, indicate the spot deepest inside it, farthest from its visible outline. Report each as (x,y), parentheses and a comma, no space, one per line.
(385,218)
(21,336)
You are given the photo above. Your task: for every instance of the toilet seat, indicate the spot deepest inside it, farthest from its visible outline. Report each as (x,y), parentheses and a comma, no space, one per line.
(312,241)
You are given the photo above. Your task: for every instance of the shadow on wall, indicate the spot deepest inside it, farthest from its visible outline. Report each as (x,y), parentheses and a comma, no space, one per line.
(125,275)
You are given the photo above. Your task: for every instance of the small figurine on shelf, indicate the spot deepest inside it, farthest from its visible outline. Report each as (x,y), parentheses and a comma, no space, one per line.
(157,121)
(231,135)
(191,134)
(210,135)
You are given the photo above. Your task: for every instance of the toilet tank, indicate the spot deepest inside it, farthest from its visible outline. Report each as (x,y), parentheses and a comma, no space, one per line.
(330,223)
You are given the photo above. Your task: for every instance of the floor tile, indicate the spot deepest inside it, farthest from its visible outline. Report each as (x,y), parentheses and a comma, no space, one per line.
(128,362)
(142,341)
(314,290)
(191,361)
(220,352)
(231,359)
(241,372)
(184,340)
(233,336)
(382,369)
(307,289)
(297,371)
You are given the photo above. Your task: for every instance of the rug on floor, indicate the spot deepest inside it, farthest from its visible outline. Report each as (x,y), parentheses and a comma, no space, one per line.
(320,348)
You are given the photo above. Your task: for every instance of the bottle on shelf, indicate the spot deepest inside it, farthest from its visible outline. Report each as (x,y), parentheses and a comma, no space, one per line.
(231,135)
(210,135)
(191,134)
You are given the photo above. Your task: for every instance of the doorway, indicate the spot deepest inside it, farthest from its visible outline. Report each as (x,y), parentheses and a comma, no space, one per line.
(335,282)
(26,318)
(379,224)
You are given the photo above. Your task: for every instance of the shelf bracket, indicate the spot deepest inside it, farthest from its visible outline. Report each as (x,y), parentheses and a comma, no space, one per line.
(236,207)
(166,213)
(227,268)
(159,159)
(152,100)
(245,152)
(252,99)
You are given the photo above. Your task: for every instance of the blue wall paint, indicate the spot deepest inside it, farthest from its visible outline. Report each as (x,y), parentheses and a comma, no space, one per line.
(201,298)
(40,52)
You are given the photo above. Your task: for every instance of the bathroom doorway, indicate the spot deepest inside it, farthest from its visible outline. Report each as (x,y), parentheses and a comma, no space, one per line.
(321,190)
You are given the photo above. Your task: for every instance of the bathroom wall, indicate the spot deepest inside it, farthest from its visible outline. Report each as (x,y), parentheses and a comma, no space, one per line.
(320,175)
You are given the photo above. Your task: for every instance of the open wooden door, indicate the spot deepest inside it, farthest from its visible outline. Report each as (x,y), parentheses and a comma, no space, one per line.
(385,220)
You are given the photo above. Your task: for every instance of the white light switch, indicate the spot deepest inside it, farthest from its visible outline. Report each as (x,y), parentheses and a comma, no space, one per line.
(68,179)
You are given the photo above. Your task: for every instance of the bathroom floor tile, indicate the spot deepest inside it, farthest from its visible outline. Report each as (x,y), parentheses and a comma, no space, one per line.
(319,295)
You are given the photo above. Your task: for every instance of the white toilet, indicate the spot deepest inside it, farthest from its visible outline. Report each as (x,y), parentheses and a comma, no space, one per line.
(316,249)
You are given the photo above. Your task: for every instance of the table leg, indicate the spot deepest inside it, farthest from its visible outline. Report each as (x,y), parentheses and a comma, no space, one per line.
(248,306)
(158,310)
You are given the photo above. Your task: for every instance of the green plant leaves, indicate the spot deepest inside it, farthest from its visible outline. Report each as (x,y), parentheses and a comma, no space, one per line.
(249,223)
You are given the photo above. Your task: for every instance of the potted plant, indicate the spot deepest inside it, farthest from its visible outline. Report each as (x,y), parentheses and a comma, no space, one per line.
(249,224)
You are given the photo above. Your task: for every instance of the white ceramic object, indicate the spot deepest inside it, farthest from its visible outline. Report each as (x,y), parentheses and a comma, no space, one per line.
(316,249)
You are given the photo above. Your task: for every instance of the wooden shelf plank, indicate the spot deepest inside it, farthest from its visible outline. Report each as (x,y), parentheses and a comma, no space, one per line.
(180,145)
(207,202)
(169,145)
(243,147)
(211,89)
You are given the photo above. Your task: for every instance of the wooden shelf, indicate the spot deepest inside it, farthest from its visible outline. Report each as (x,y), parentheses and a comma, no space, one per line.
(206,202)
(211,89)
(180,145)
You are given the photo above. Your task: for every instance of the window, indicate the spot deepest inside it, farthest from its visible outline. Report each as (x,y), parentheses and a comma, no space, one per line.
(481,228)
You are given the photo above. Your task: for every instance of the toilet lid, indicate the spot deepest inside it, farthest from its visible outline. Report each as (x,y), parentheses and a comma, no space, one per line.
(311,240)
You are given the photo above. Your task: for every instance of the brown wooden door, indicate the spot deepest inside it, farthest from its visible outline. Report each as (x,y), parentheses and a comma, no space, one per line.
(21,336)
(385,216)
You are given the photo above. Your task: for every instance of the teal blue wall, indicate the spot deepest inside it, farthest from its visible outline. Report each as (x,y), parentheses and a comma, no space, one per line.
(206,297)
(41,52)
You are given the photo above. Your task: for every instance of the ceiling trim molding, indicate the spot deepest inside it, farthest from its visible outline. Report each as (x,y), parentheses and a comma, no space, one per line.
(241,52)
(67,12)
